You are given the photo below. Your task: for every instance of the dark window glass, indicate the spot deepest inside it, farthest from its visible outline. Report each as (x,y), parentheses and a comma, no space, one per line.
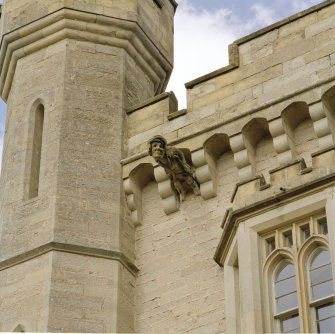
(326,311)
(285,286)
(270,245)
(288,239)
(305,232)
(290,324)
(287,302)
(322,290)
(321,259)
(321,274)
(323,228)
(286,272)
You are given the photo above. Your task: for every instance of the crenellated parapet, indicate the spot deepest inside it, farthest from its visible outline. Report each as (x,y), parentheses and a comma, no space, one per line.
(270,154)
(269,113)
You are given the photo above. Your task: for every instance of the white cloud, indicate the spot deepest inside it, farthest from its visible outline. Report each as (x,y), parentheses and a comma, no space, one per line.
(201,39)
(299,5)
(202,36)
(263,15)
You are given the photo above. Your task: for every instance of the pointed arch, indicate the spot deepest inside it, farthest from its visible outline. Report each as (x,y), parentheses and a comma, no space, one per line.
(303,262)
(270,267)
(34,149)
(257,135)
(300,129)
(328,100)
(138,178)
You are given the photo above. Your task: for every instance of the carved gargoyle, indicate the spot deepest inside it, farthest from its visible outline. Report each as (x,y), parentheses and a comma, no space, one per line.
(173,161)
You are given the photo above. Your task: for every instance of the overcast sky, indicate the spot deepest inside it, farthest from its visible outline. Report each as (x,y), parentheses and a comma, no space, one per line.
(203,30)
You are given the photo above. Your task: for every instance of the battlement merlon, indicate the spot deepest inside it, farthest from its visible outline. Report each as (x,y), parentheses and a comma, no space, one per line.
(291,60)
(143,28)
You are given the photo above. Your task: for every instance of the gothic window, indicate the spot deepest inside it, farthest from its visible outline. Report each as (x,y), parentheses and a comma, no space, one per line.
(285,278)
(37,121)
(310,233)
(286,301)
(322,291)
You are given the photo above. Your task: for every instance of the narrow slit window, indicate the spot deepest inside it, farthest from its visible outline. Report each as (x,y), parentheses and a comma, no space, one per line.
(288,239)
(270,245)
(305,232)
(36,150)
(322,225)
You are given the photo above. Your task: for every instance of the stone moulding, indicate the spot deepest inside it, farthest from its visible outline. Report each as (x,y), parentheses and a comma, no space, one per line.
(72,24)
(173,102)
(233,217)
(74,249)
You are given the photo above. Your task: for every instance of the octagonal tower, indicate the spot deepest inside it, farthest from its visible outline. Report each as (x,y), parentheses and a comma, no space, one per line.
(69,71)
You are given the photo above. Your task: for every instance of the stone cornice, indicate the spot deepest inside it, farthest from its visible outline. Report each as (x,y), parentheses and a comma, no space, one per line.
(73,24)
(113,255)
(233,217)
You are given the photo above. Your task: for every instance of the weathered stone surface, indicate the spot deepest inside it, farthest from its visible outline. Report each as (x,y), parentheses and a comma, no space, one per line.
(104,245)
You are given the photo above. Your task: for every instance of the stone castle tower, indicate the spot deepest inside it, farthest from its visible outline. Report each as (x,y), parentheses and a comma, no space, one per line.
(97,236)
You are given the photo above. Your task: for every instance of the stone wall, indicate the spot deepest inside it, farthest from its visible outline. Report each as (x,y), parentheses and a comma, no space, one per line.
(263,123)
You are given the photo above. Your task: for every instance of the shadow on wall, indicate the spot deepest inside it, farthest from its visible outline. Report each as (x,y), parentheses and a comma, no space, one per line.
(2,125)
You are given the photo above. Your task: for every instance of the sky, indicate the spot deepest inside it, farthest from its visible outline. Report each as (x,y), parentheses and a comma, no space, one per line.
(203,30)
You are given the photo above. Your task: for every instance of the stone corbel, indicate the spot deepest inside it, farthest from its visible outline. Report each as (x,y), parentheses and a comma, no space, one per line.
(134,200)
(243,157)
(282,141)
(133,186)
(322,125)
(168,195)
(205,170)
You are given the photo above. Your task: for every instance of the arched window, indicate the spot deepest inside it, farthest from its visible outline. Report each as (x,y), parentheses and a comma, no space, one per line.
(286,300)
(36,150)
(322,291)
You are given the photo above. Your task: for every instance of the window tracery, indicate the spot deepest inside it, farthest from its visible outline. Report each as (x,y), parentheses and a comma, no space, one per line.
(308,236)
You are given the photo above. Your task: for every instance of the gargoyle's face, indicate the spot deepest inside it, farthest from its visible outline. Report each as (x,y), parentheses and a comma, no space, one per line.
(157,150)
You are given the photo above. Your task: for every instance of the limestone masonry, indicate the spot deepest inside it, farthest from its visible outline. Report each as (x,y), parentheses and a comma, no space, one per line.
(97,235)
